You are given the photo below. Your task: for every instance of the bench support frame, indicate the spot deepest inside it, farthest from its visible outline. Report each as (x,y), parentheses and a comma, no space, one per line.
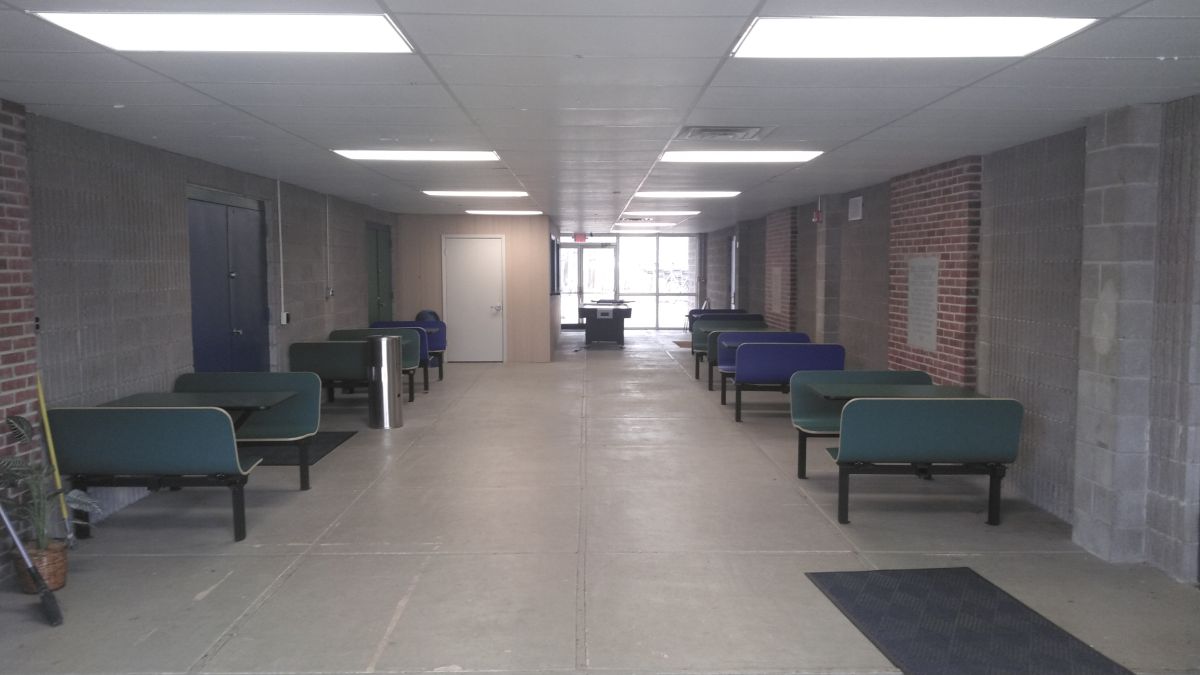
(236,485)
(994,471)
(739,387)
(302,454)
(802,451)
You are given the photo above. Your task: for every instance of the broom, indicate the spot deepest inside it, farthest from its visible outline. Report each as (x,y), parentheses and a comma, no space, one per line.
(49,604)
(23,431)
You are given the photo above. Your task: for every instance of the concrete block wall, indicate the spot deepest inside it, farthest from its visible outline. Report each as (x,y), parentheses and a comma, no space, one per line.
(1030,251)
(863,287)
(752,278)
(110,250)
(935,212)
(807,293)
(18,346)
(780,263)
(830,220)
(1173,476)
(1116,322)
(718,265)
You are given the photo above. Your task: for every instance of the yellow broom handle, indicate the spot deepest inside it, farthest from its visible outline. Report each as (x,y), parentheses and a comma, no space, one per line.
(62,497)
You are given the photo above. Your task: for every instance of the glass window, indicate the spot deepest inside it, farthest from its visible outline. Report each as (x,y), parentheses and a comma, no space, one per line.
(598,265)
(642,311)
(678,264)
(673,309)
(638,257)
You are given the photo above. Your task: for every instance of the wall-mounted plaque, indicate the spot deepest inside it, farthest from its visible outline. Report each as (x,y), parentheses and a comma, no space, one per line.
(922,303)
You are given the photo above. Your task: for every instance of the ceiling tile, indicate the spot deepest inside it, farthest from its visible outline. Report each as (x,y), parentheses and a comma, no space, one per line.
(821,98)
(296,6)
(393,69)
(561,36)
(95,116)
(577,7)
(72,67)
(379,115)
(1132,38)
(569,70)
(1115,73)
(570,96)
(632,117)
(856,72)
(799,117)
(1020,99)
(408,136)
(1168,8)
(21,32)
(356,95)
(103,93)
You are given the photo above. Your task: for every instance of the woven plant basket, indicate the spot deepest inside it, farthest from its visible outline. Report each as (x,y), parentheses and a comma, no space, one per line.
(51,563)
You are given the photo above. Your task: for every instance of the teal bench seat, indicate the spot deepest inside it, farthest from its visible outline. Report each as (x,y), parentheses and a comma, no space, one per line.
(702,327)
(414,346)
(292,423)
(341,364)
(928,436)
(151,448)
(816,416)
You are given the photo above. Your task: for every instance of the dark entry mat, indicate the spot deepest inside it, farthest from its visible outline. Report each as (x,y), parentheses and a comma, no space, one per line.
(285,455)
(951,621)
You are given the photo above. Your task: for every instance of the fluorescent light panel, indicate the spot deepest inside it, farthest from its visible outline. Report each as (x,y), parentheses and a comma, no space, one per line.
(655,214)
(422,155)
(711,194)
(476,193)
(642,226)
(741,156)
(504,213)
(898,37)
(211,32)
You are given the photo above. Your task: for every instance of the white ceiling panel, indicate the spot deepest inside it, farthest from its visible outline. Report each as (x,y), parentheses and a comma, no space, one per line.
(1133,38)
(577,7)
(21,32)
(296,6)
(559,70)
(72,67)
(800,116)
(829,133)
(571,148)
(1112,73)
(592,133)
(604,117)
(856,72)
(1169,8)
(367,136)
(1020,99)
(357,115)
(364,95)
(103,93)
(394,69)
(1088,8)
(562,36)
(568,96)
(818,98)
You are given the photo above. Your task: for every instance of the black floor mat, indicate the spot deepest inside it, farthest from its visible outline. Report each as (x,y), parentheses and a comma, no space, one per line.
(285,455)
(952,621)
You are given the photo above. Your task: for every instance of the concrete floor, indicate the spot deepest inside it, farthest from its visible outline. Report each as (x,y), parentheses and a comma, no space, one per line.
(599,513)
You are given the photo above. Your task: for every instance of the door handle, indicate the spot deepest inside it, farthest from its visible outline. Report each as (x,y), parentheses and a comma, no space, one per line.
(237,331)
(497,308)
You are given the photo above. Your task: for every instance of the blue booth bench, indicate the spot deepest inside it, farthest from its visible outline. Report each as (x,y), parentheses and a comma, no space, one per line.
(435,352)
(928,436)
(152,448)
(815,416)
(292,423)
(702,328)
(714,340)
(769,367)
(727,343)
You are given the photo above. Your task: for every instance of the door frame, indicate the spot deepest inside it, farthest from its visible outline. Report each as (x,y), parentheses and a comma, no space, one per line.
(503,283)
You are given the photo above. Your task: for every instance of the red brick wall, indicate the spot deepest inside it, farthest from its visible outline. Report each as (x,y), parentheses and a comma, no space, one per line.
(935,211)
(18,346)
(780,307)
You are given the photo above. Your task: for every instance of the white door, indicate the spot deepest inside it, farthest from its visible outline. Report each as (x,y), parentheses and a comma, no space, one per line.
(473,296)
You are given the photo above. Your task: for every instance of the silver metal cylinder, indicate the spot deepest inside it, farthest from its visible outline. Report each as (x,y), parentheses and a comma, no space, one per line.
(386,383)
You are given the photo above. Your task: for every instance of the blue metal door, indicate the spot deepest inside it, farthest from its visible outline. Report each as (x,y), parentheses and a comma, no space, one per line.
(229,290)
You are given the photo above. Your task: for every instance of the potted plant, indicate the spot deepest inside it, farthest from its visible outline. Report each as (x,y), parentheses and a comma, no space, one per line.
(32,486)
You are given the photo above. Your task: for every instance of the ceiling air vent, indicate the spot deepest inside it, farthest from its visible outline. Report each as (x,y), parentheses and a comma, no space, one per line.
(722,133)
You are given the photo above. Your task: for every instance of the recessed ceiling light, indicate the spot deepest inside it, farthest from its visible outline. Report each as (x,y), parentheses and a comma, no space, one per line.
(212,32)
(422,155)
(654,214)
(711,194)
(741,156)
(898,37)
(476,193)
(505,213)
